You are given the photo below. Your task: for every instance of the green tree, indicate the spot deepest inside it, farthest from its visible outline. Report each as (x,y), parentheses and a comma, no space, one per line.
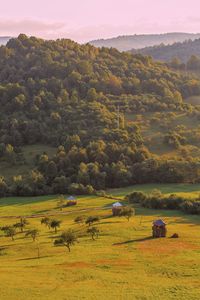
(33,233)
(10,232)
(127,212)
(55,224)
(67,239)
(61,202)
(92,219)
(3,187)
(94,232)
(22,224)
(46,221)
(79,220)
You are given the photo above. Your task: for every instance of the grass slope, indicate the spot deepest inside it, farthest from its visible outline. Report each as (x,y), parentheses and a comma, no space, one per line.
(29,153)
(124,263)
(154,126)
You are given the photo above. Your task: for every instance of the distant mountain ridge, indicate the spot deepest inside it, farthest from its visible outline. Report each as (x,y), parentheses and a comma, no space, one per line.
(4,40)
(182,51)
(128,42)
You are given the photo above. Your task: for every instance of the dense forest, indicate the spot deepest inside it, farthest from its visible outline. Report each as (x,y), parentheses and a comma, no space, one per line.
(181,50)
(138,41)
(75,98)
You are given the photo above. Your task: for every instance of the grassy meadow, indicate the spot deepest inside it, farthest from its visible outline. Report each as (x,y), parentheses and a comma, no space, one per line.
(123,263)
(154,126)
(29,153)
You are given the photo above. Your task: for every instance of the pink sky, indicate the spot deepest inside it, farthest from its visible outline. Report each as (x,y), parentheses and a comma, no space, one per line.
(83,20)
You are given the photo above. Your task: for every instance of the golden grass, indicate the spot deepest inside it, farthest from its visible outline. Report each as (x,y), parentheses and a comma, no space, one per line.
(124,263)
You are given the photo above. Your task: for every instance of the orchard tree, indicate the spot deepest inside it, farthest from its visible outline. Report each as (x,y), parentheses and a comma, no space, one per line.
(10,231)
(127,212)
(92,219)
(94,232)
(61,202)
(67,239)
(22,224)
(33,233)
(55,224)
(46,221)
(79,219)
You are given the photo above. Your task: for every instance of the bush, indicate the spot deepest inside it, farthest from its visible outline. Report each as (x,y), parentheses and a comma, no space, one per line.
(80,189)
(158,201)
(136,197)
(191,207)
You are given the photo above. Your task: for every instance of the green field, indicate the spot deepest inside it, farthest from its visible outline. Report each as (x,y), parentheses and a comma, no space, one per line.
(123,263)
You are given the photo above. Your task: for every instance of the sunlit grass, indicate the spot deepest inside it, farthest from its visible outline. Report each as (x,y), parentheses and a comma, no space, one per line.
(123,263)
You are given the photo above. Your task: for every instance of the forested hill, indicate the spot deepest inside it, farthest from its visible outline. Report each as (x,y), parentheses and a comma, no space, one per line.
(183,51)
(138,41)
(65,95)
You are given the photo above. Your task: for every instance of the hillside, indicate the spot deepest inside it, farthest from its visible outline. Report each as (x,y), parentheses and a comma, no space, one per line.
(61,130)
(125,43)
(183,51)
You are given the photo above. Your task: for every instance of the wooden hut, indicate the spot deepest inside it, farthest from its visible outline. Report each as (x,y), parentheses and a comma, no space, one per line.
(116,209)
(71,201)
(159,229)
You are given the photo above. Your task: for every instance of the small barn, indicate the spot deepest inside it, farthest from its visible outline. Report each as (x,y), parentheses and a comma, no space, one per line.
(116,208)
(71,200)
(159,229)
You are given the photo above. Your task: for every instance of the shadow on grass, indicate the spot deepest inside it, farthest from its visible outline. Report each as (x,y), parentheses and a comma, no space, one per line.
(133,241)
(32,258)
(26,200)
(112,222)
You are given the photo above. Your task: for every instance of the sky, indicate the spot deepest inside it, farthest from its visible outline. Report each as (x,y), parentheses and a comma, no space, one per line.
(84,20)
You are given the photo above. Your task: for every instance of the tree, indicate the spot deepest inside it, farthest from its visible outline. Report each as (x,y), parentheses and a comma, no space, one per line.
(3,187)
(67,239)
(92,219)
(79,220)
(10,232)
(33,233)
(127,212)
(51,170)
(94,232)
(22,224)
(55,224)
(61,202)
(136,197)
(46,221)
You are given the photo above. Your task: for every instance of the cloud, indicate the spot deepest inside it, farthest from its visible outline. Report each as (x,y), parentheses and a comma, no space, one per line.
(54,30)
(29,27)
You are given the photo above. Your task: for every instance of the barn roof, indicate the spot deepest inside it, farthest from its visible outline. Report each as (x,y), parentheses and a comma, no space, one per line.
(71,198)
(159,223)
(117,204)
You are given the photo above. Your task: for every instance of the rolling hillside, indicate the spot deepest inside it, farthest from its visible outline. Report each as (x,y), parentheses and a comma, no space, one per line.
(125,43)
(182,51)
(69,119)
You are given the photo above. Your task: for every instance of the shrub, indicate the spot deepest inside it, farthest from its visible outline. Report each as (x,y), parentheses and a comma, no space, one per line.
(136,197)
(158,201)
(80,189)
(92,219)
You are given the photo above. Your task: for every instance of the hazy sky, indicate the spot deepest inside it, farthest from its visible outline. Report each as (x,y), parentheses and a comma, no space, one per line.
(83,20)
